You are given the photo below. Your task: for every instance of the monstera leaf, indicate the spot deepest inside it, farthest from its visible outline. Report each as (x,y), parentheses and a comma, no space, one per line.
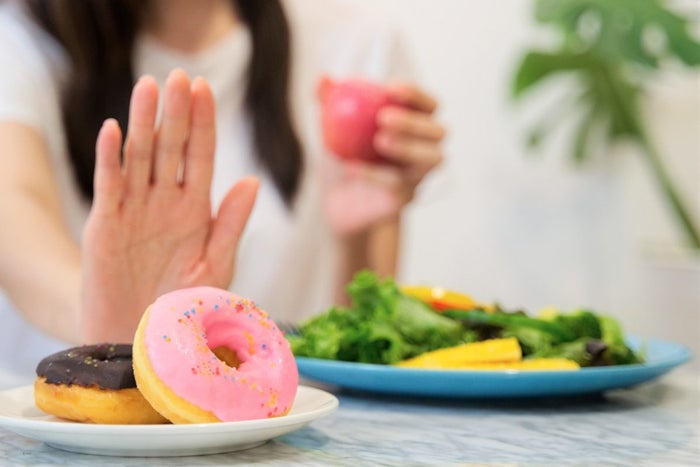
(622,29)
(611,48)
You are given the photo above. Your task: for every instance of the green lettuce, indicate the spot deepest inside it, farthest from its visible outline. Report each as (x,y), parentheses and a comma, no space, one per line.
(381,326)
(588,338)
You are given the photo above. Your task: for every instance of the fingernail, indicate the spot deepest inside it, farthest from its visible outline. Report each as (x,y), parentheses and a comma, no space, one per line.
(110,121)
(199,81)
(145,78)
(177,71)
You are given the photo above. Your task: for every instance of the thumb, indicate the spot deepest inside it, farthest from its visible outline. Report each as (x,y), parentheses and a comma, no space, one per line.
(230,222)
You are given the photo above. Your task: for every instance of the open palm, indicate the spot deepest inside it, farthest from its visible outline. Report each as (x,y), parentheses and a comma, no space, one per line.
(151,228)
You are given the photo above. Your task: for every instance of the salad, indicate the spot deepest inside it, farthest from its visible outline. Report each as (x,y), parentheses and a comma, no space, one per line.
(425,327)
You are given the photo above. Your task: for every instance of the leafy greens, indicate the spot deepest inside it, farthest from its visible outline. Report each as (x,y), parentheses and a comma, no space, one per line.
(385,325)
(382,326)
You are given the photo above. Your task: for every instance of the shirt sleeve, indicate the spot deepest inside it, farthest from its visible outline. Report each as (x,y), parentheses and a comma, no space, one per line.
(23,77)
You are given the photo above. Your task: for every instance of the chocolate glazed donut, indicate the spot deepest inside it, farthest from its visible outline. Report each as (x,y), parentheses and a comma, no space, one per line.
(106,366)
(92,384)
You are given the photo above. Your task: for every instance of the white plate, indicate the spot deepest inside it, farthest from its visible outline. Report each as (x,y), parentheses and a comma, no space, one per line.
(19,414)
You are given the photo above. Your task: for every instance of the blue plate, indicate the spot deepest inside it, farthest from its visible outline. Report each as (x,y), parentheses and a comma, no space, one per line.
(661,357)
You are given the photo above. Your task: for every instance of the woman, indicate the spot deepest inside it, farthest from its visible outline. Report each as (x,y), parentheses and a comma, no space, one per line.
(69,66)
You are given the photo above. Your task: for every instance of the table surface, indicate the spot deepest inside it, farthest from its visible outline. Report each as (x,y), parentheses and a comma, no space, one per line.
(654,424)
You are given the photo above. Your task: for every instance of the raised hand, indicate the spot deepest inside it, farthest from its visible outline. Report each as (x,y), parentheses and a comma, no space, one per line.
(151,227)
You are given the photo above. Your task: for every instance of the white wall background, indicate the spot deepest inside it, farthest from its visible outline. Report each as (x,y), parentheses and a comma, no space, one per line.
(530,231)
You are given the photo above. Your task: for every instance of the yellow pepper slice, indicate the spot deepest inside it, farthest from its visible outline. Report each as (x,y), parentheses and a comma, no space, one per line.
(492,354)
(488,351)
(439,298)
(535,364)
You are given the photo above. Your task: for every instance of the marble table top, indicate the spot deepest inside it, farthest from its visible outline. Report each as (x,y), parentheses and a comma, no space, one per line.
(654,424)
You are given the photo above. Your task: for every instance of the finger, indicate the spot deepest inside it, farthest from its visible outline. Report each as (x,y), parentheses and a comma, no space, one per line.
(138,150)
(408,151)
(199,156)
(172,133)
(410,122)
(231,220)
(108,183)
(411,96)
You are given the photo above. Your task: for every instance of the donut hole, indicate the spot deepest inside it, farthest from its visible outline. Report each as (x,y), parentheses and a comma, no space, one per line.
(226,355)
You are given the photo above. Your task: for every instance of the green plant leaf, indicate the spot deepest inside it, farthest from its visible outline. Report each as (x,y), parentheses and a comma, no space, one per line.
(679,41)
(617,98)
(535,137)
(617,29)
(536,66)
(583,135)
(612,47)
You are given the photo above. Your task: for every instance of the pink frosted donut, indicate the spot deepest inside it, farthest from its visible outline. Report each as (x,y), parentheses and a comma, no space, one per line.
(204,354)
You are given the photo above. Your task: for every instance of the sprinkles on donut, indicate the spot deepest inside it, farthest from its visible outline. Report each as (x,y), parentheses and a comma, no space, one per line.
(204,354)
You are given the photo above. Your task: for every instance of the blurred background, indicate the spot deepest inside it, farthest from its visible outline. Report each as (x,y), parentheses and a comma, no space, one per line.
(532,228)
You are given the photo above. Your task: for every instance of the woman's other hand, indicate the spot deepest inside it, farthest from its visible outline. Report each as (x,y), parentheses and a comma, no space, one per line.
(151,228)
(409,139)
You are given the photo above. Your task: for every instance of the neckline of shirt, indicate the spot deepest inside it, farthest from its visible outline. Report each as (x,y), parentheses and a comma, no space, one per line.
(224,64)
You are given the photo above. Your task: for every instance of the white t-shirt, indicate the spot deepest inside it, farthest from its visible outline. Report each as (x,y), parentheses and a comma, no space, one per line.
(286,258)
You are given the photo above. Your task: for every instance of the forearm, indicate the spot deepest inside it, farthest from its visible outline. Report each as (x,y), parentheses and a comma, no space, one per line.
(409,139)
(40,267)
(39,260)
(376,249)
